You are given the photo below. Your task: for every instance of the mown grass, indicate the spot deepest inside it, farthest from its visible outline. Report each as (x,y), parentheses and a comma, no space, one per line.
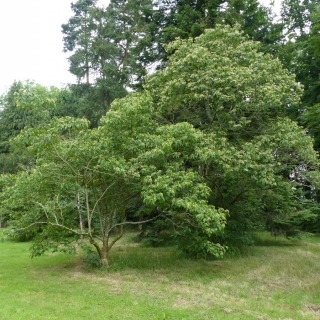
(276,279)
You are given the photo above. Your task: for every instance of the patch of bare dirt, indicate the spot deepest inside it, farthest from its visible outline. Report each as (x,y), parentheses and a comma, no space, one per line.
(314,307)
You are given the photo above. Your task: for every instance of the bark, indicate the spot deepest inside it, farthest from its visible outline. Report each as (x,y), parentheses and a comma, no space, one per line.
(102,256)
(105,252)
(81,222)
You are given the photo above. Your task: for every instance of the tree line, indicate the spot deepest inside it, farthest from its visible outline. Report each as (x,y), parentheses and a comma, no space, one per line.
(197,117)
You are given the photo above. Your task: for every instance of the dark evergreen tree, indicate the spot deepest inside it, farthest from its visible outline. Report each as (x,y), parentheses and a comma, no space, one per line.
(189,18)
(11,120)
(110,49)
(308,61)
(79,33)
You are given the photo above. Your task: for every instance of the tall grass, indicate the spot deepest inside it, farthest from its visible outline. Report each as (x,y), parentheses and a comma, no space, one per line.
(276,279)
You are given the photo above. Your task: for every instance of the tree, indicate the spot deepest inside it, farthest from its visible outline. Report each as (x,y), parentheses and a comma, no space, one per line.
(8,112)
(24,105)
(307,60)
(89,177)
(107,46)
(107,42)
(221,84)
(299,51)
(78,38)
(125,27)
(296,14)
(188,19)
(301,56)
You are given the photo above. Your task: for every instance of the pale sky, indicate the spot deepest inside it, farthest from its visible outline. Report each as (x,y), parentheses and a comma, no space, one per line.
(31,42)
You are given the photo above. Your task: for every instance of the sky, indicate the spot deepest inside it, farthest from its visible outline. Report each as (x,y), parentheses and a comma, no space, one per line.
(31,42)
(31,46)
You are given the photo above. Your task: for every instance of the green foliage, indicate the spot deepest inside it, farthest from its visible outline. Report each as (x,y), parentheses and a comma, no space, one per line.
(221,80)
(188,19)
(91,258)
(254,160)
(308,60)
(24,105)
(197,245)
(9,126)
(297,16)
(93,175)
(78,35)
(300,53)
(108,48)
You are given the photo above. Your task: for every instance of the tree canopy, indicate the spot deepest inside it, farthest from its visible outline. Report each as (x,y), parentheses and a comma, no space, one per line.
(240,98)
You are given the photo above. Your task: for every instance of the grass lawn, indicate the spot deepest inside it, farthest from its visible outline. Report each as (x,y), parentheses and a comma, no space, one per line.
(275,279)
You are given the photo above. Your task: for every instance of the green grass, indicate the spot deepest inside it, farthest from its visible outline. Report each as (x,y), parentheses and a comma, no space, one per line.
(276,279)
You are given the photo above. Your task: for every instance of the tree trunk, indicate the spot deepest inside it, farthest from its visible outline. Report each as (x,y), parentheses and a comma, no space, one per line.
(81,222)
(104,259)
(104,252)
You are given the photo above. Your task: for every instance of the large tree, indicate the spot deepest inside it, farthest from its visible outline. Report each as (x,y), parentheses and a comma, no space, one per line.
(107,42)
(189,18)
(221,84)
(307,60)
(84,180)
(79,33)
(109,47)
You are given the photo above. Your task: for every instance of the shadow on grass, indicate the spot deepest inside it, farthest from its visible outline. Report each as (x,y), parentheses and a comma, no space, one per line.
(159,261)
(144,258)
(264,239)
(129,256)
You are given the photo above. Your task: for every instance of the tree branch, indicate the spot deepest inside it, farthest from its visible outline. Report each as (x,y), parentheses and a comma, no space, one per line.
(134,223)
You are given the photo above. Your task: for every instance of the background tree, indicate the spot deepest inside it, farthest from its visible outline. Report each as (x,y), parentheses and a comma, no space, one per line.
(79,33)
(298,52)
(307,60)
(10,122)
(296,15)
(106,43)
(188,19)
(24,105)
(301,21)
